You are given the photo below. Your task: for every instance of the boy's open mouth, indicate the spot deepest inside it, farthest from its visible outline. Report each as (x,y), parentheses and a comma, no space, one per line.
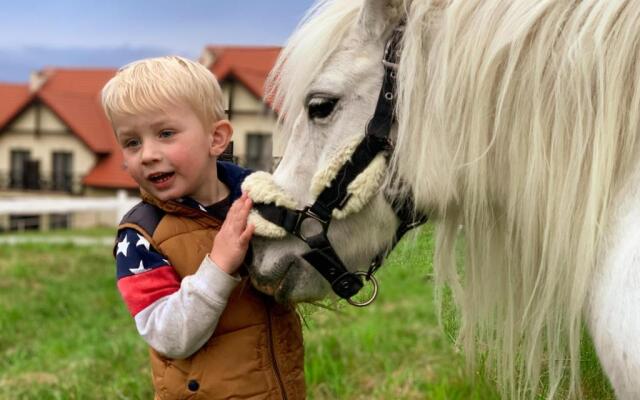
(160,177)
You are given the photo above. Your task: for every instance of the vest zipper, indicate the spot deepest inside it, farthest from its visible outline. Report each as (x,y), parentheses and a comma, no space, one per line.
(272,352)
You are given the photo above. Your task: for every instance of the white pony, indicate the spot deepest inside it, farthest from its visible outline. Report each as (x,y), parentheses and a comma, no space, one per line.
(517,121)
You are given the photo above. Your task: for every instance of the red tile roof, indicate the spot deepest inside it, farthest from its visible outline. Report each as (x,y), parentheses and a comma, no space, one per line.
(84,116)
(109,172)
(13,98)
(77,80)
(249,65)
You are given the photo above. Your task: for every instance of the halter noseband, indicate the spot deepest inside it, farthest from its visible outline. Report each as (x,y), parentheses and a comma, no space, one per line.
(311,224)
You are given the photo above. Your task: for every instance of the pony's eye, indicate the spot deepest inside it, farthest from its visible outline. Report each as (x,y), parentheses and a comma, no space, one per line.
(320,107)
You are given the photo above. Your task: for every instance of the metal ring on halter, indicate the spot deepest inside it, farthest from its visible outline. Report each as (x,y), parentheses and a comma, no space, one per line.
(374,294)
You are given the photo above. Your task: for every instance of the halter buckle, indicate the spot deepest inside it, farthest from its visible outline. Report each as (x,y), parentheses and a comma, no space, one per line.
(304,215)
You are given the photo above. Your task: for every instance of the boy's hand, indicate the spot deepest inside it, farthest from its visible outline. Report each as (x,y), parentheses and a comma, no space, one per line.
(231,243)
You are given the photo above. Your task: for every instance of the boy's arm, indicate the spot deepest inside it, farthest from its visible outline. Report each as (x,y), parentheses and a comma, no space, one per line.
(174,317)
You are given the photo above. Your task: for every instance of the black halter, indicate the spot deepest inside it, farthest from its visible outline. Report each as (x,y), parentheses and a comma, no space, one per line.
(312,223)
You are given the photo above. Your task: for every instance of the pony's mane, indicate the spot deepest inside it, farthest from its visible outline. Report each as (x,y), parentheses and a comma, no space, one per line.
(517,121)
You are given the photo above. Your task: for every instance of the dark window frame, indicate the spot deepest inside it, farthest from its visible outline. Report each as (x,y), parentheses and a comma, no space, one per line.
(17,164)
(62,171)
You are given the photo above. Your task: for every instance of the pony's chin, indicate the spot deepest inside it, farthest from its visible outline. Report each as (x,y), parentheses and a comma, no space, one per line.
(296,283)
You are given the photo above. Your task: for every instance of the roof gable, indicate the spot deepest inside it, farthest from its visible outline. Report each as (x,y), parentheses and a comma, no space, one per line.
(76,80)
(84,116)
(74,96)
(249,65)
(13,99)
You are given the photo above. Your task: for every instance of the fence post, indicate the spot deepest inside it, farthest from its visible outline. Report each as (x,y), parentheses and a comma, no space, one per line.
(122,206)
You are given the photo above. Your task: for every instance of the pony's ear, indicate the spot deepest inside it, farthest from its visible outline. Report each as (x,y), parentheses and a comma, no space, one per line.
(375,17)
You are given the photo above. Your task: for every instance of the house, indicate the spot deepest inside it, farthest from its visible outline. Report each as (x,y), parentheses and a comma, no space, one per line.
(56,141)
(242,72)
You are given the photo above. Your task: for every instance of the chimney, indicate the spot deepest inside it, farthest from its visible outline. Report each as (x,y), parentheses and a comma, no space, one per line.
(37,80)
(208,57)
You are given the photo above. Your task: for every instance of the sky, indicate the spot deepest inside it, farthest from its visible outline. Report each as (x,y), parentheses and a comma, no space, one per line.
(98,33)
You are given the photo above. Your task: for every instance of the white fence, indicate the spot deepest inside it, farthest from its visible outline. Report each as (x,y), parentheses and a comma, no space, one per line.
(42,205)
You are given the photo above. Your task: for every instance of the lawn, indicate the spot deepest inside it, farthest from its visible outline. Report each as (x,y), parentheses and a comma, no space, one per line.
(65,334)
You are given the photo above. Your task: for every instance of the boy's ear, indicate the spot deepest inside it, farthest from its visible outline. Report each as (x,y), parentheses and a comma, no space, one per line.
(221,132)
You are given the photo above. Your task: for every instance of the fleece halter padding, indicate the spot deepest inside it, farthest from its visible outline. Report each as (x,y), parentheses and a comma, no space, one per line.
(262,189)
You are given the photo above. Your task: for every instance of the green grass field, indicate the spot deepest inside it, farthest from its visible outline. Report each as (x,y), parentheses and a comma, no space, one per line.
(65,334)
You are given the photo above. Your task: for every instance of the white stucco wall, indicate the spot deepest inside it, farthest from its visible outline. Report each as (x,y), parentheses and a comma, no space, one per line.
(250,115)
(53,137)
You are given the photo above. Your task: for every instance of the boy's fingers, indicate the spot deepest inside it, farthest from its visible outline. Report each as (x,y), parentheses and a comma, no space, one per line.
(236,204)
(236,210)
(246,207)
(242,212)
(238,213)
(245,237)
(244,198)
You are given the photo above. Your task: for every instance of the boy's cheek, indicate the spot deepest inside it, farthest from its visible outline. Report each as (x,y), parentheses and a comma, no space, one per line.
(136,175)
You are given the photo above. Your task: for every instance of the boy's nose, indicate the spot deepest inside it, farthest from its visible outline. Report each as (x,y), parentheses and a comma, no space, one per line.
(150,153)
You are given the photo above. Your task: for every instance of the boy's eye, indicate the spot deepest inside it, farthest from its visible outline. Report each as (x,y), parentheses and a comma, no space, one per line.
(131,143)
(166,133)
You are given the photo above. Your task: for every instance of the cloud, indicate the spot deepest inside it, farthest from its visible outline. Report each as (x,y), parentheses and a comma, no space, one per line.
(17,64)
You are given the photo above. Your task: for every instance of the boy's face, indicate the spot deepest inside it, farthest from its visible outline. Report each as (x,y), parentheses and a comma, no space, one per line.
(169,153)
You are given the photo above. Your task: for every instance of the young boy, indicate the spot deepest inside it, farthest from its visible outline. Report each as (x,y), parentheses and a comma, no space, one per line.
(211,334)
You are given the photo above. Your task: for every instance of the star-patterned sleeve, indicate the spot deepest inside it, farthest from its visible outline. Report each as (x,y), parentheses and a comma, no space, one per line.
(144,275)
(175,317)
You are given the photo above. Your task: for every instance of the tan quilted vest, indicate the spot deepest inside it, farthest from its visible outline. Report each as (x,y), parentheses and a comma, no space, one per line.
(256,351)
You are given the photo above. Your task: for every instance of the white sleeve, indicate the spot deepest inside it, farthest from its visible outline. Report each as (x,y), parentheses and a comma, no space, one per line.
(179,324)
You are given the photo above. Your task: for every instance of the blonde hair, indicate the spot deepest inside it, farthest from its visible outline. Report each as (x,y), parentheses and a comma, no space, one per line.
(155,83)
(518,123)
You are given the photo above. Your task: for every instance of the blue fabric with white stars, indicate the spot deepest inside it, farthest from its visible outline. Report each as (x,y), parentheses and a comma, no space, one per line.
(134,254)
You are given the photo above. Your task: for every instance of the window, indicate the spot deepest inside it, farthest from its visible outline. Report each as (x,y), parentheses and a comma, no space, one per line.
(31,178)
(24,222)
(17,173)
(259,151)
(25,172)
(59,221)
(62,178)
